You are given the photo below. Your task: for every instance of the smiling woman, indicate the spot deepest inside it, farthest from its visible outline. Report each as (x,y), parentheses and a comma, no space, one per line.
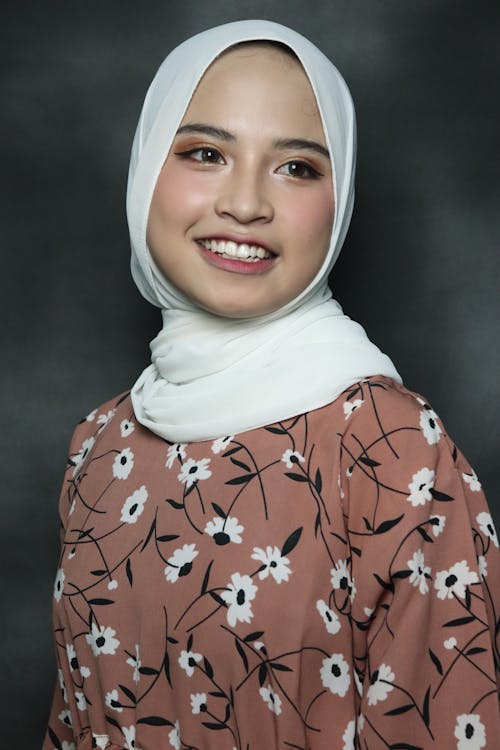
(269,542)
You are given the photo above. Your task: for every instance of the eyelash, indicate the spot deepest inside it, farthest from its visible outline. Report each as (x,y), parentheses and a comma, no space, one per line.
(313,174)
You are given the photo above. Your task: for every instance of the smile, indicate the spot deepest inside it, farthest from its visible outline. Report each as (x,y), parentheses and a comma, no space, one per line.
(239,251)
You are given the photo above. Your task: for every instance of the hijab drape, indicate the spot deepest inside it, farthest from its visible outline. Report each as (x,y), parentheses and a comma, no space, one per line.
(212,376)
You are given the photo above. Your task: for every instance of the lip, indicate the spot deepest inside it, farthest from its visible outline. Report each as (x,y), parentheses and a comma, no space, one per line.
(239,239)
(235,266)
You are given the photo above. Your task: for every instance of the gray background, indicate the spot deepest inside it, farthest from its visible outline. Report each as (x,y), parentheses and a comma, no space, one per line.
(419,269)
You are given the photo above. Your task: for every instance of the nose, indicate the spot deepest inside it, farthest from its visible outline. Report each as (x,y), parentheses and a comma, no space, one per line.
(245,197)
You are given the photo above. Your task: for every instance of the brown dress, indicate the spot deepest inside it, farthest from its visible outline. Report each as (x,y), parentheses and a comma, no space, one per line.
(328,582)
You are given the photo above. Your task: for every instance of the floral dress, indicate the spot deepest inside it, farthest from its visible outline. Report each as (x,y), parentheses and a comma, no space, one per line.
(328,582)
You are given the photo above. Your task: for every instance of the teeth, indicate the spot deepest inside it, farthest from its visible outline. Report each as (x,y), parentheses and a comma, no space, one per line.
(230,249)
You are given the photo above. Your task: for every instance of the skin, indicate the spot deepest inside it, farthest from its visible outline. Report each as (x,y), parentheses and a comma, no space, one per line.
(245,183)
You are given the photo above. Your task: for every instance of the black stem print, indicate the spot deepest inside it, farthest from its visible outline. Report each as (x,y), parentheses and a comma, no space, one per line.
(457,657)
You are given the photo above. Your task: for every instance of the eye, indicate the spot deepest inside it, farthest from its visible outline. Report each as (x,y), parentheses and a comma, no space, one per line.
(203,155)
(301,170)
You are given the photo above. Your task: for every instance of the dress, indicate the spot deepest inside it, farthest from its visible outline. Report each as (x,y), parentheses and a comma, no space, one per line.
(324,583)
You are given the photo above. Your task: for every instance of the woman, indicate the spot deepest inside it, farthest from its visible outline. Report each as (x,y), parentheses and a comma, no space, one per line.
(270,542)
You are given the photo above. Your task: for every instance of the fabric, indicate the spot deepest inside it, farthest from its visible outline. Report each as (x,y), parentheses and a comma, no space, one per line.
(328,582)
(308,349)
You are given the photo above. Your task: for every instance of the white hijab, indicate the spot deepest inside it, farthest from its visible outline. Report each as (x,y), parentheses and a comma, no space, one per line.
(212,376)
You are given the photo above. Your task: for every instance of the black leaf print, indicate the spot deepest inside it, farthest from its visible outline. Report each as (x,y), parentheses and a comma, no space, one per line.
(442,497)
(130,695)
(467,597)
(240,464)
(101,602)
(174,504)
(404,746)
(217,598)
(122,398)
(454,454)
(385,584)
(213,725)
(242,654)
(399,710)
(386,525)
(367,523)
(227,713)
(436,661)
(155,721)
(148,670)
(424,534)
(167,537)
(291,542)
(262,674)
(128,571)
(204,585)
(208,668)
(401,574)
(98,573)
(356,550)
(190,642)
(253,636)
(219,510)
(425,708)
(317,523)
(475,650)
(458,622)
(54,738)
(368,461)
(113,721)
(217,694)
(353,393)
(280,667)
(276,430)
(296,477)
(241,480)
(166,667)
(172,640)
(231,451)
(150,533)
(318,481)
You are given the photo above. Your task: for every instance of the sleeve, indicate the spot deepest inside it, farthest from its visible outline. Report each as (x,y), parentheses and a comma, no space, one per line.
(425,574)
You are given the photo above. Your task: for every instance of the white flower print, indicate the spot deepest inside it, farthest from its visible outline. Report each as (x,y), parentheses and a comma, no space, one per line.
(357,682)
(472,481)
(341,491)
(82,454)
(419,572)
(71,654)
(350,406)
(59,584)
(380,684)
(274,563)
(80,700)
(126,427)
(360,723)
(102,640)
(112,584)
(450,643)
(104,419)
(241,591)
(62,685)
(221,444)
(101,741)
(91,416)
(177,450)
(291,458)
(72,507)
(224,530)
(335,674)
(66,718)
(123,464)
(188,661)
(482,566)
(174,736)
(193,470)
(112,700)
(85,672)
(453,581)
(68,745)
(271,698)
(181,562)
(431,429)
(135,662)
(129,735)
(438,524)
(341,578)
(349,735)
(330,619)
(487,526)
(198,702)
(134,505)
(470,732)
(420,487)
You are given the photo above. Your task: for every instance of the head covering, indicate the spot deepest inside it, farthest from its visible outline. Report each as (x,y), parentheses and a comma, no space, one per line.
(212,376)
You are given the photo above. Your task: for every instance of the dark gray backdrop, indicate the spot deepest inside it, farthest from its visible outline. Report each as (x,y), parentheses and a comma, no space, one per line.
(419,269)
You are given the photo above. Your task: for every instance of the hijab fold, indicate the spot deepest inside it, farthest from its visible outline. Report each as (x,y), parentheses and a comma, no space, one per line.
(212,376)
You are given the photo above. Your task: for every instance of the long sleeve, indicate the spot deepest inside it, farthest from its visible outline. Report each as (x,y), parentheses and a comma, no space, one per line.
(425,569)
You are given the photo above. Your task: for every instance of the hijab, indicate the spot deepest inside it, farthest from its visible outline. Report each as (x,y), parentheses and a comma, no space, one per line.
(212,376)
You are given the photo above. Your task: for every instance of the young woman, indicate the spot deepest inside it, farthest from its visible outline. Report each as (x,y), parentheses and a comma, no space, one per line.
(270,542)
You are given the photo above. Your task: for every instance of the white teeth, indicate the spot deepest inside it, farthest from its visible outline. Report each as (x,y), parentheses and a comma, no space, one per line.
(241,251)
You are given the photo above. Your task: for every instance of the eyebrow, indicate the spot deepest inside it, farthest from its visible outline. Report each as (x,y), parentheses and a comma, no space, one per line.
(282,143)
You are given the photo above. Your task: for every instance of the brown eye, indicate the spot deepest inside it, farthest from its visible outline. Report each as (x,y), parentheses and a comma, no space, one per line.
(202,155)
(300,170)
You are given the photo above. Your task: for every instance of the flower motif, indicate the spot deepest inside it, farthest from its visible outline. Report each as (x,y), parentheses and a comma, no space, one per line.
(273,563)
(335,674)
(126,428)
(341,491)
(470,732)
(349,735)
(198,702)
(112,584)
(85,672)
(350,406)
(240,592)
(380,684)
(112,701)
(193,470)
(105,419)
(80,700)
(438,524)
(453,581)
(188,661)
(129,735)
(59,584)
(78,459)
(224,530)
(174,736)
(71,654)
(482,566)
(271,698)
(221,444)
(101,741)
(62,685)
(330,619)
(419,572)
(177,450)
(420,487)
(291,458)
(450,643)
(472,481)
(135,662)
(431,429)
(66,718)
(487,526)
(181,562)
(134,505)
(68,745)
(123,464)
(341,578)
(357,681)
(102,640)
(91,415)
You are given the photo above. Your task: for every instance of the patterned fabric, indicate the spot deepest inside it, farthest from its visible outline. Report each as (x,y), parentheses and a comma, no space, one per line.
(327,583)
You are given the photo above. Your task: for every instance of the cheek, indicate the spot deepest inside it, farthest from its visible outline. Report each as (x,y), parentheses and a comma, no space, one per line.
(312,219)
(180,195)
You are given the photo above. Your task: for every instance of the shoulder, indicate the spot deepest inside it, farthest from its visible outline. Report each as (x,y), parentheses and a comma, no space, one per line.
(89,427)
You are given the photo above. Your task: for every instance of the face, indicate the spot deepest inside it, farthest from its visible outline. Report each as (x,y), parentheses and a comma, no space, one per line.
(242,212)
